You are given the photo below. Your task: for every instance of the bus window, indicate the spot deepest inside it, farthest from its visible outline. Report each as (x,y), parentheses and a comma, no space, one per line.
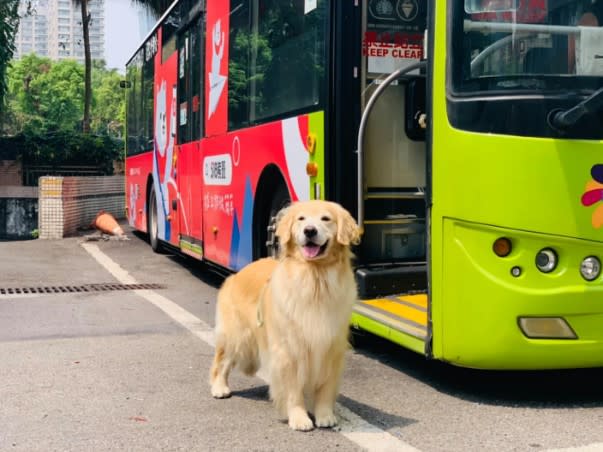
(168,33)
(148,100)
(190,57)
(277,59)
(134,104)
(540,48)
(500,51)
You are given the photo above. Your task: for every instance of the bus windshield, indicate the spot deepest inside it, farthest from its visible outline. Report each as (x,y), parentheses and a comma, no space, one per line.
(527,44)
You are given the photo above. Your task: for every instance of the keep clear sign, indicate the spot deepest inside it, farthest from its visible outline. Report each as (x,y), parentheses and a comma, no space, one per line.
(394,34)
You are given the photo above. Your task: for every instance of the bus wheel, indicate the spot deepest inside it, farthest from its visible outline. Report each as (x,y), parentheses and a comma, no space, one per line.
(152,226)
(358,338)
(280,199)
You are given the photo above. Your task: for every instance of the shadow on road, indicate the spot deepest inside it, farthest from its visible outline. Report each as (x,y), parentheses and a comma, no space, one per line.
(535,389)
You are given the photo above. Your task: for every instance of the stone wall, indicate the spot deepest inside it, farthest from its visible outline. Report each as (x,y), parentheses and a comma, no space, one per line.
(69,203)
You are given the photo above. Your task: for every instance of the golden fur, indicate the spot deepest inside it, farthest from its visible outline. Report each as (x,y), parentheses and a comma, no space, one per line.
(291,315)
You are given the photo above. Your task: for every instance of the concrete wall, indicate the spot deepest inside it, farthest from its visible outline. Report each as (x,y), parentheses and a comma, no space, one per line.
(69,203)
(18,212)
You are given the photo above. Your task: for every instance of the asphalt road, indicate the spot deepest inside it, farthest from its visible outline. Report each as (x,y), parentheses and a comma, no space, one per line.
(127,370)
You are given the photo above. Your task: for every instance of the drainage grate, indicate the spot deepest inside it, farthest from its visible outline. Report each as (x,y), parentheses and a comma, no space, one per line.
(76,289)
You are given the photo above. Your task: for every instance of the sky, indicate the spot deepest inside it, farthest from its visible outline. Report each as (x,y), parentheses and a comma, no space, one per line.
(123,32)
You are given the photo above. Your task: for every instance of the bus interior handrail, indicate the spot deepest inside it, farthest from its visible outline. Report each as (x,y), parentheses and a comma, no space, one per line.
(362,128)
(506,27)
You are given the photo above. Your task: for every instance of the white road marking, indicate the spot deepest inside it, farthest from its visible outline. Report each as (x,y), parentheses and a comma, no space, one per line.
(11,296)
(595,447)
(352,426)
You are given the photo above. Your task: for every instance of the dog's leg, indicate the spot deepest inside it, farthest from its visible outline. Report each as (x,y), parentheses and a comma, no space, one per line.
(296,411)
(288,393)
(327,393)
(220,370)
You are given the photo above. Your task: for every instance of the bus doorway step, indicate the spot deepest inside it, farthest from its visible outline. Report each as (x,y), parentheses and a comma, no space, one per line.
(382,281)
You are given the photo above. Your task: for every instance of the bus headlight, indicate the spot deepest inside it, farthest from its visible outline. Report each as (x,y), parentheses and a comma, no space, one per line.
(590,268)
(546,260)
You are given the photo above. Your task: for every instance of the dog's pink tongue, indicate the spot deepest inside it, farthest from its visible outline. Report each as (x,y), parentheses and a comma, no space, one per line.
(311,250)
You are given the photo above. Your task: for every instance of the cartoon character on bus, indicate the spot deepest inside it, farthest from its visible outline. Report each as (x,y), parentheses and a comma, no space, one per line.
(163,157)
(594,194)
(216,80)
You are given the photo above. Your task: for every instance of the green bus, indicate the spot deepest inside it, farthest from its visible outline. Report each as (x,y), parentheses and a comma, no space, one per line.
(480,166)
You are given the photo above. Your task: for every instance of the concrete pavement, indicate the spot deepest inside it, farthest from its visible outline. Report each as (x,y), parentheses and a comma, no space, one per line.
(112,371)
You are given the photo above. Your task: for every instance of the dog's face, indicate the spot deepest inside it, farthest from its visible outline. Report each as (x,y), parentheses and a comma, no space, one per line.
(316,230)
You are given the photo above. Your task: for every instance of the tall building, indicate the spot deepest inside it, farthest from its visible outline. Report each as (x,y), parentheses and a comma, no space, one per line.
(32,35)
(53,28)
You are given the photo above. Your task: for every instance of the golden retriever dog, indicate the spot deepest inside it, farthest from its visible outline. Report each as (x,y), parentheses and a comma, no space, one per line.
(291,315)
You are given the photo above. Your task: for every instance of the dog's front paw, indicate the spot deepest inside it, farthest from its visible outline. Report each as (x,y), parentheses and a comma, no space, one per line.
(326,419)
(299,420)
(220,391)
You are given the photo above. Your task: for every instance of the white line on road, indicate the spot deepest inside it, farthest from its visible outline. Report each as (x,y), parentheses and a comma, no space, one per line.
(595,447)
(352,426)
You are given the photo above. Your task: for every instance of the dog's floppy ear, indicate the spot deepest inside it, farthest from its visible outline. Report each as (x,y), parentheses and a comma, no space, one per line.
(348,231)
(284,222)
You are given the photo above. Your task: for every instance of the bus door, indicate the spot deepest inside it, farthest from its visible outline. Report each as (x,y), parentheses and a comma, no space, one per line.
(391,265)
(190,131)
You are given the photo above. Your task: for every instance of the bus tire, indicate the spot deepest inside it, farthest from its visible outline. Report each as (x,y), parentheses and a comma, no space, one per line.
(152,226)
(280,199)
(273,197)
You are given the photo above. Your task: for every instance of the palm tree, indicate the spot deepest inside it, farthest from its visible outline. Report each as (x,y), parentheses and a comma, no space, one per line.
(83,4)
(157,7)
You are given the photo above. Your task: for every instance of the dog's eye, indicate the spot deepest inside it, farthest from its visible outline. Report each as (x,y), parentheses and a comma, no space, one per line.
(325,218)
(301,218)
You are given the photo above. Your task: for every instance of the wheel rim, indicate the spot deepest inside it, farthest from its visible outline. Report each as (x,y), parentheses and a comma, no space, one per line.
(278,203)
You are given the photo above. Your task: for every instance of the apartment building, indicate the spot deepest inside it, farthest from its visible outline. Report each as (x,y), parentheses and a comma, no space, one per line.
(53,28)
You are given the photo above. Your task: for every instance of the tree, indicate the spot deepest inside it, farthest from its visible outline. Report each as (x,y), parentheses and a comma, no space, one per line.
(45,95)
(9,21)
(83,4)
(108,104)
(156,6)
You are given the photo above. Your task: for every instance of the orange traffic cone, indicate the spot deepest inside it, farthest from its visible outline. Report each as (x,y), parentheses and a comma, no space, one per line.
(105,222)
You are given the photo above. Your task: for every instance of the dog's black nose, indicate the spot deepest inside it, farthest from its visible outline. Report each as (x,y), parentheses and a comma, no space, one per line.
(310,231)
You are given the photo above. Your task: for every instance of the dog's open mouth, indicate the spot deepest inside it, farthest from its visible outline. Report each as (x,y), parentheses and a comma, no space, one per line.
(312,250)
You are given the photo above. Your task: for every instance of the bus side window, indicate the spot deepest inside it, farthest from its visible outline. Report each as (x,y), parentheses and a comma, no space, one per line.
(277,60)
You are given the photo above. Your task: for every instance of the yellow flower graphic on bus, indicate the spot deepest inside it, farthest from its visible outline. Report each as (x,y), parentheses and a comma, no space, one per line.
(594,193)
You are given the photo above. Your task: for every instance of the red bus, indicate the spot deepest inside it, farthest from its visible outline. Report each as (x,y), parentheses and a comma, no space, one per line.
(227,121)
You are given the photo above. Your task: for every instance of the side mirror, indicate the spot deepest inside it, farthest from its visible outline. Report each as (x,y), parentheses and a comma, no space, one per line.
(415,108)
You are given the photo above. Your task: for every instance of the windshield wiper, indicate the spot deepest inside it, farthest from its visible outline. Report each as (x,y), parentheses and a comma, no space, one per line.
(564,119)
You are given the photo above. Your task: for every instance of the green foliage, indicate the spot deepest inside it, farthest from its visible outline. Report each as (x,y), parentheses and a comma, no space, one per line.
(9,21)
(46,96)
(64,148)
(108,102)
